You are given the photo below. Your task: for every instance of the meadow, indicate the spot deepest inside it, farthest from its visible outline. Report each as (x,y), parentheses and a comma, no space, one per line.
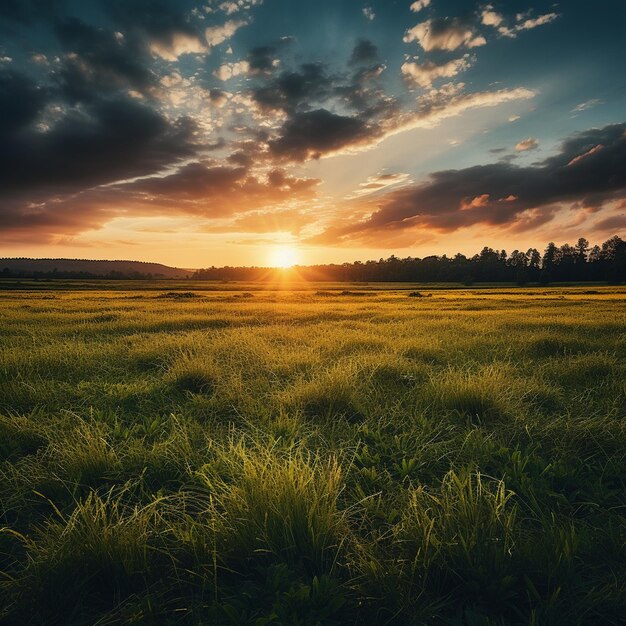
(205,453)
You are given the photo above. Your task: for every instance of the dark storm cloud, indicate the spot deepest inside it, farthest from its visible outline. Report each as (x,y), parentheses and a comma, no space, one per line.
(311,84)
(96,144)
(313,133)
(209,190)
(309,98)
(157,21)
(31,222)
(21,103)
(98,60)
(191,181)
(261,59)
(295,89)
(204,190)
(364,52)
(27,11)
(590,169)
(241,157)
(160,19)
(616,222)
(213,180)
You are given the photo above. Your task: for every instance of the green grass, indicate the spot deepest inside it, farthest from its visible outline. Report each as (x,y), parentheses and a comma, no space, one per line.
(292,458)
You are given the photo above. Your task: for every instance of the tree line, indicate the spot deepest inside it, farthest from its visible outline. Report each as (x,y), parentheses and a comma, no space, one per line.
(8,272)
(567,263)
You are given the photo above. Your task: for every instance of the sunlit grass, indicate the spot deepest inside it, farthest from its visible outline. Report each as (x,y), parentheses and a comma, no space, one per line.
(276,455)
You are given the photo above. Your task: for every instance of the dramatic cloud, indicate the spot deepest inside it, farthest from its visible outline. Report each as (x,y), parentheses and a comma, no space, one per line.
(423,74)
(314,133)
(70,174)
(215,190)
(444,33)
(113,111)
(206,191)
(107,140)
(503,194)
(97,59)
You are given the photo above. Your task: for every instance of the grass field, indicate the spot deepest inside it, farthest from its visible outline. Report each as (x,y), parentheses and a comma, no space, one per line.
(318,455)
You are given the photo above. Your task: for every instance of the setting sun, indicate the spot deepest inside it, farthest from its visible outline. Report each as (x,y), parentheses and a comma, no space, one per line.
(284,256)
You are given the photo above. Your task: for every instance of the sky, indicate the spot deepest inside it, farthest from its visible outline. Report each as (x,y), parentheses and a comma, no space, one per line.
(247,132)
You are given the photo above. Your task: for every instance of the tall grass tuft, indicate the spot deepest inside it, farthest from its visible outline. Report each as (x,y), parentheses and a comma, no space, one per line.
(91,559)
(480,396)
(283,504)
(330,393)
(193,374)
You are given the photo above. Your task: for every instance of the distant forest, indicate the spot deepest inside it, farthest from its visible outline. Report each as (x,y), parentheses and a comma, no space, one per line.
(82,275)
(88,269)
(567,263)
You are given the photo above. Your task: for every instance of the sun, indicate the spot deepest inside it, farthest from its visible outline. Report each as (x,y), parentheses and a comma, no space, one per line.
(284,256)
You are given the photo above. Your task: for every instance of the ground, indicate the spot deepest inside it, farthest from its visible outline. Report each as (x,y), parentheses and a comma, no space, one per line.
(311,454)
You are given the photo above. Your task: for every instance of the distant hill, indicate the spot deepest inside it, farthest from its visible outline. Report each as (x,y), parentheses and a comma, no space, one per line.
(133,269)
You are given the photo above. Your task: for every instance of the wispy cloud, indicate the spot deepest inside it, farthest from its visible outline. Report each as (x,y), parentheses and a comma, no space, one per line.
(588,104)
(378,183)
(523,21)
